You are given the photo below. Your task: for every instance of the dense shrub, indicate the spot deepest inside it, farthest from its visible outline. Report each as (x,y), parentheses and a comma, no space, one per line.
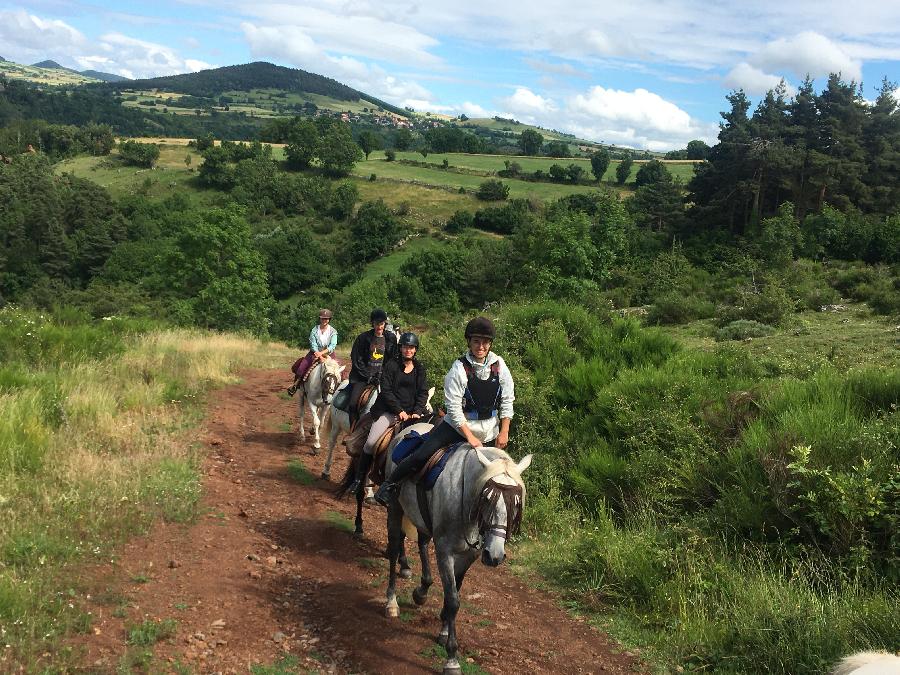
(139,154)
(677,308)
(743,329)
(502,219)
(492,190)
(459,221)
(769,304)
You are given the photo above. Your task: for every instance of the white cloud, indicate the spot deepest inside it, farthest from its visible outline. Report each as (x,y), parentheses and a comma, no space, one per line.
(526,104)
(351,29)
(132,57)
(638,118)
(28,37)
(808,52)
(474,110)
(292,45)
(753,80)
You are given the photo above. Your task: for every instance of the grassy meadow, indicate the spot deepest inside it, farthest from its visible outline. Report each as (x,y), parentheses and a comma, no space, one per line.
(490,164)
(95,445)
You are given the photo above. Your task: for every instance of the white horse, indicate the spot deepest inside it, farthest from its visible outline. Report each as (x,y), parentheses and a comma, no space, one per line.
(868,663)
(476,503)
(318,391)
(336,422)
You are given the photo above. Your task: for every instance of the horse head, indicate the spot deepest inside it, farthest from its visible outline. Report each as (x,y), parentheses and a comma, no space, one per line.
(500,504)
(331,378)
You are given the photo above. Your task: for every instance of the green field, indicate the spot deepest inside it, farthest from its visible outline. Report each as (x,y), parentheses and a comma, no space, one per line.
(170,174)
(492,163)
(438,178)
(54,76)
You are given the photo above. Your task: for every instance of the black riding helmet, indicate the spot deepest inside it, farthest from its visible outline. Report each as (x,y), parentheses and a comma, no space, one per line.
(378,315)
(481,326)
(410,339)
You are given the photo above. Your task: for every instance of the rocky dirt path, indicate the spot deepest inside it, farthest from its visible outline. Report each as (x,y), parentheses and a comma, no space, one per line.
(271,580)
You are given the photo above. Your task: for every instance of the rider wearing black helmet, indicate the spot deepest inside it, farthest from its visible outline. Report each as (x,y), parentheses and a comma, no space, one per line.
(478,396)
(369,353)
(403,396)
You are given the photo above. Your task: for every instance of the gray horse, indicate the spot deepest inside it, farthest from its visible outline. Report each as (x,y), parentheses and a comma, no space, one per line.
(318,390)
(477,501)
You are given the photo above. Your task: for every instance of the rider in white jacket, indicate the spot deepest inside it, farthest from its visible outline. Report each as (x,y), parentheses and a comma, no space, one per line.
(478,396)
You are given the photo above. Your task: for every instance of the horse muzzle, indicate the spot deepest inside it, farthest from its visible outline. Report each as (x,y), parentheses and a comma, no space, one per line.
(492,559)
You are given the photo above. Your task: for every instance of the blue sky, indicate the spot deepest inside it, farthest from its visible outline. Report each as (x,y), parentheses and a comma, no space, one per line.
(646,74)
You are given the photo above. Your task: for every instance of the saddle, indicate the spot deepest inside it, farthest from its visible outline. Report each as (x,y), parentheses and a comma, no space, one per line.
(364,399)
(428,475)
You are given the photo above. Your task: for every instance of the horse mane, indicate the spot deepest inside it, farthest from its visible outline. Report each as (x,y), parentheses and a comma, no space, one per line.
(503,464)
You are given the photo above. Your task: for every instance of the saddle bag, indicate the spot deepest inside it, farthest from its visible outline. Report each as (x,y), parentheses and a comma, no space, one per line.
(341,399)
(356,439)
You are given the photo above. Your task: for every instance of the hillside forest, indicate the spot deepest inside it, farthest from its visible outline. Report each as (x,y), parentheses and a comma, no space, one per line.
(705,353)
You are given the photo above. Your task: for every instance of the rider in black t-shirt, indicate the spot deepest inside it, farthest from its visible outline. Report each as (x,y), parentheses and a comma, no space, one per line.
(369,353)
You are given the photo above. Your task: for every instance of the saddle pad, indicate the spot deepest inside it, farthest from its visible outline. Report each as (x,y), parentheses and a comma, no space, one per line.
(432,474)
(407,446)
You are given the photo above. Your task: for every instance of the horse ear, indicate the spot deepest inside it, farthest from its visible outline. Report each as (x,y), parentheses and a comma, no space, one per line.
(341,369)
(482,457)
(524,464)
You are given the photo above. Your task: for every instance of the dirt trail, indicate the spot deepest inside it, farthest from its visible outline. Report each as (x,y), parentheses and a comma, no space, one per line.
(269,570)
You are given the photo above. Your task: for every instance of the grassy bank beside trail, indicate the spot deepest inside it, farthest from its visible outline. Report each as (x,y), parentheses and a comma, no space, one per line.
(727,508)
(94,447)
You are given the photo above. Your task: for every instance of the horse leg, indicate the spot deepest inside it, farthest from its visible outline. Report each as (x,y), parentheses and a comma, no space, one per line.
(405,571)
(315,425)
(300,404)
(334,428)
(358,531)
(395,543)
(447,637)
(420,593)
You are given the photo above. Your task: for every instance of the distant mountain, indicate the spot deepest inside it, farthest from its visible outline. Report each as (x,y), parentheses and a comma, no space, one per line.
(104,77)
(258,75)
(51,64)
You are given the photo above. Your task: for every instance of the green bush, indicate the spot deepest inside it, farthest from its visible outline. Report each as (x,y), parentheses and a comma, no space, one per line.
(769,304)
(743,329)
(676,308)
(492,190)
(459,221)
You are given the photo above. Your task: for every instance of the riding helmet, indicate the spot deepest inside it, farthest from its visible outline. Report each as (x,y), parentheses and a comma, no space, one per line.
(378,315)
(324,313)
(481,326)
(409,339)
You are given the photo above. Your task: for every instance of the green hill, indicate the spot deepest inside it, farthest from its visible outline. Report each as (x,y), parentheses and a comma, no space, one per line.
(217,82)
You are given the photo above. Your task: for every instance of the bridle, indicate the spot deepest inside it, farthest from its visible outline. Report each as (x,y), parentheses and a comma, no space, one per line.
(485,506)
(328,384)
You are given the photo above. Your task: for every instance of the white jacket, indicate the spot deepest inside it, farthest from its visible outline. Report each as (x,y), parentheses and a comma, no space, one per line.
(455,383)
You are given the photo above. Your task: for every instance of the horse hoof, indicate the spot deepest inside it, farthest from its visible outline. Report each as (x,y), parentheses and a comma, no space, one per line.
(442,638)
(325,475)
(370,501)
(392,611)
(405,573)
(418,597)
(358,533)
(451,667)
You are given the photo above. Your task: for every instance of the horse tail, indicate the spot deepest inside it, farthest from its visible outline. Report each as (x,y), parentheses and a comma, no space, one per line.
(348,478)
(409,529)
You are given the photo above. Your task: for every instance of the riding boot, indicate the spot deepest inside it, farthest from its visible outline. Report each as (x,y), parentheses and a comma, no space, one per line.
(390,488)
(362,470)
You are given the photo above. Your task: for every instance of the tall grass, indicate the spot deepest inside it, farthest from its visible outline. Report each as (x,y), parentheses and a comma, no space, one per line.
(92,449)
(727,517)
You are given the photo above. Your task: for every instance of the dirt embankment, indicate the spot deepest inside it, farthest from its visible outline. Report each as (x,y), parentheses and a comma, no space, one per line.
(271,573)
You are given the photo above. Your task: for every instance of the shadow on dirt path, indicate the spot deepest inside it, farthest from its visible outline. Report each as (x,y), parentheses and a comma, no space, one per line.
(270,570)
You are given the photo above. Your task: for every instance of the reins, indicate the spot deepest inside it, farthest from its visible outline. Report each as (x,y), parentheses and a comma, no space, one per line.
(485,505)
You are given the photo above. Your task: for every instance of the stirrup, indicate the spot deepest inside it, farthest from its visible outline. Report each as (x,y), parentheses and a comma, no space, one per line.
(292,390)
(387,492)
